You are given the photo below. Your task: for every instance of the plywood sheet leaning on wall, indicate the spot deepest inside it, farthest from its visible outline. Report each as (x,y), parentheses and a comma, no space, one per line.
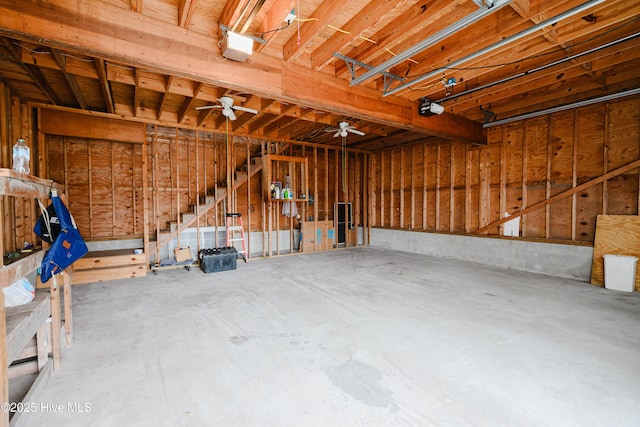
(616,235)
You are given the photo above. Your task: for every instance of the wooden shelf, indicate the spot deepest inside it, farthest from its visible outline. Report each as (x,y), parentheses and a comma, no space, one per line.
(20,185)
(295,167)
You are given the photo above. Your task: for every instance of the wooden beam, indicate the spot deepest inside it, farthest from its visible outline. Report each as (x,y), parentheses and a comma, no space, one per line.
(271,19)
(252,15)
(70,78)
(136,92)
(188,103)
(308,30)
(136,6)
(359,24)
(185,12)
(564,194)
(104,84)
(232,12)
(163,99)
(87,126)
(32,71)
(156,46)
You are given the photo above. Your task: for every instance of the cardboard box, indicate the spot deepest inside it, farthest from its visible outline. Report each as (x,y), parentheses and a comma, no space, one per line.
(183,254)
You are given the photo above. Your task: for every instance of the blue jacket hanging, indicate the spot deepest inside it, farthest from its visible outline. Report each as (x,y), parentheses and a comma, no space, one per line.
(68,245)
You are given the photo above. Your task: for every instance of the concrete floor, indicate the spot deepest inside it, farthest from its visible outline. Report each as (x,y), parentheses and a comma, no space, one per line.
(353,337)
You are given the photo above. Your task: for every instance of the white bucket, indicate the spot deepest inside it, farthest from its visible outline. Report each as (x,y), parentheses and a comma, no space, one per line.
(620,272)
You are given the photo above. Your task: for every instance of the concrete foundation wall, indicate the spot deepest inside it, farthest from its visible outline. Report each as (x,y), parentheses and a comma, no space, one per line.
(554,259)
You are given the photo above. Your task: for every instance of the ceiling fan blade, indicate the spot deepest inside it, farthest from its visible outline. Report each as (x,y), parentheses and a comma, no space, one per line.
(247,109)
(337,134)
(231,114)
(356,131)
(208,107)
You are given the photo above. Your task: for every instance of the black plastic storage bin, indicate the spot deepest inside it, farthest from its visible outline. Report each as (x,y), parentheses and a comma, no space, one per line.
(218,259)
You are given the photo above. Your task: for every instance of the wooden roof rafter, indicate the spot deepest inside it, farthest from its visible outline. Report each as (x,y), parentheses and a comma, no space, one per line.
(272,19)
(136,6)
(185,12)
(308,30)
(163,97)
(70,78)
(33,71)
(359,24)
(187,105)
(104,84)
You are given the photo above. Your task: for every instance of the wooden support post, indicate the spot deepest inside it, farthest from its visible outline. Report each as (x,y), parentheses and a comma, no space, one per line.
(547,209)
(574,176)
(382,182)
(156,202)
(503,174)
(605,159)
(413,188)
(336,196)
(325,240)
(315,200)
(525,174)
(56,325)
(68,309)
(373,202)
(438,167)
(248,240)
(145,201)
(468,194)
(392,187)
(402,184)
(424,186)
(452,204)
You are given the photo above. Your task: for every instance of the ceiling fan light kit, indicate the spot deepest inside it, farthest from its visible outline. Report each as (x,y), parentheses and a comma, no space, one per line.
(226,103)
(343,129)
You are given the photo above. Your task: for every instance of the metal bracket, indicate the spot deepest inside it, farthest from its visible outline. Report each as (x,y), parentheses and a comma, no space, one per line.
(226,29)
(353,63)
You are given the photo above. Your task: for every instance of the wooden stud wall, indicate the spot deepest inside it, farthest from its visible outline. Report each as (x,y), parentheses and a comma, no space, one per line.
(453,187)
(184,166)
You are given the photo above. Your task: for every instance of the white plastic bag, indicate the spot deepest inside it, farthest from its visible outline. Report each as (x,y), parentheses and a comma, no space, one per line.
(20,292)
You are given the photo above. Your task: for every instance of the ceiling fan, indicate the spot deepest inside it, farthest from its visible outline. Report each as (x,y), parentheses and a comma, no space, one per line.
(343,129)
(226,103)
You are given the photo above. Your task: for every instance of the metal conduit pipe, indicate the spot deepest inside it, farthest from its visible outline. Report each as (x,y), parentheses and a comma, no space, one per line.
(540,68)
(564,107)
(578,9)
(450,30)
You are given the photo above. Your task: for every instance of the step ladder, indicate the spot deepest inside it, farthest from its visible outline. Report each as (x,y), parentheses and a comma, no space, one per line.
(234,225)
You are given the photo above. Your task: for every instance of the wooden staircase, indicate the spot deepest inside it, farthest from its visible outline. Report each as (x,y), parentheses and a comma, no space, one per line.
(208,202)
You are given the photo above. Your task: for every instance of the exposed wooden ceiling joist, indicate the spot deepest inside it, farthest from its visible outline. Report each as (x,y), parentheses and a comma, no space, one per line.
(144,63)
